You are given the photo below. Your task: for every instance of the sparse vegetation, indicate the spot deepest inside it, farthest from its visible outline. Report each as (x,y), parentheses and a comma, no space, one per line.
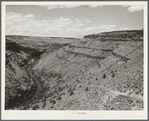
(59,98)
(44,105)
(113,75)
(34,107)
(71,92)
(86,88)
(104,76)
(70,75)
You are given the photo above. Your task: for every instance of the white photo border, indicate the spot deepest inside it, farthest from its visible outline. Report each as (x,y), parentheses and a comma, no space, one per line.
(68,114)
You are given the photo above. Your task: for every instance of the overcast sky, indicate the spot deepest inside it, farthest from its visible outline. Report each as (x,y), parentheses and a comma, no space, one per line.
(71,21)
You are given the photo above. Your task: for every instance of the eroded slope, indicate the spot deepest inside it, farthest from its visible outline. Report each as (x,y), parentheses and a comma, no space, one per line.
(93,75)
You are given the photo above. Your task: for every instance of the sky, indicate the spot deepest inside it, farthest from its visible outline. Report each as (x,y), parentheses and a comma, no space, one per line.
(71,20)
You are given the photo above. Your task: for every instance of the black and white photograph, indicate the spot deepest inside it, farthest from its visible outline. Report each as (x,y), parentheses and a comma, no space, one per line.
(74,57)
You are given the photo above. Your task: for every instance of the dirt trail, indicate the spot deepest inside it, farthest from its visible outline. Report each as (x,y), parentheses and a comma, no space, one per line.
(36,80)
(103,49)
(84,54)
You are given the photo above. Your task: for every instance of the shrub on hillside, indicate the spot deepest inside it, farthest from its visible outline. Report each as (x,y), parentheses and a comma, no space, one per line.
(104,76)
(86,88)
(59,98)
(37,106)
(54,102)
(44,105)
(113,75)
(71,92)
(34,107)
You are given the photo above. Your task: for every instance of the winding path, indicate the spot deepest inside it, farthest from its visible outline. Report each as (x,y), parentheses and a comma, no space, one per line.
(36,80)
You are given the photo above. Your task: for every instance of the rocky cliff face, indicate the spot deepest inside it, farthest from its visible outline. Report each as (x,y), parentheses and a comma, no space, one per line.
(18,84)
(91,74)
(129,35)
